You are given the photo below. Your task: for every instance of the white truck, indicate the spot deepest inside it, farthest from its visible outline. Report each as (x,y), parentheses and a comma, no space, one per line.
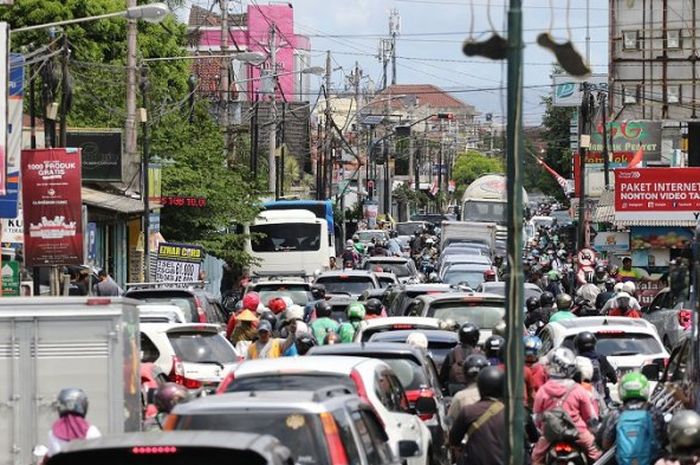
(460,231)
(50,343)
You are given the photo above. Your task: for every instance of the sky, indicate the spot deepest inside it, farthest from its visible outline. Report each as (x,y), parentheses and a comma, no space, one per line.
(429,47)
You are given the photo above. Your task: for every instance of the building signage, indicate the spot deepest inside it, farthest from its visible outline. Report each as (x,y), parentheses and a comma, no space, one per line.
(4,76)
(10,278)
(52,212)
(660,238)
(657,194)
(610,241)
(101,152)
(13,230)
(178,201)
(568,92)
(178,263)
(624,139)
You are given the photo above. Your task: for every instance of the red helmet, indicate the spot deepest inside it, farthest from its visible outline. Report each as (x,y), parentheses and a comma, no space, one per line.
(489,273)
(251,301)
(277,305)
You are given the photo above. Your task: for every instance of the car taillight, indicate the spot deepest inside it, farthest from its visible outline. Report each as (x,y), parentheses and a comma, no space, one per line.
(359,385)
(415,394)
(200,310)
(335,443)
(685,318)
(225,383)
(563,447)
(141,450)
(177,375)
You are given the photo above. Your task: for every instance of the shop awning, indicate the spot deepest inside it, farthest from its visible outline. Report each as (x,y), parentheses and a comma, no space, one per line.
(113,202)
(605,213)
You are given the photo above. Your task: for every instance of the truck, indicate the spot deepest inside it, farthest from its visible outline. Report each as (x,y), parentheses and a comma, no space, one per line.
(485,200)
(460,231)
(51,343)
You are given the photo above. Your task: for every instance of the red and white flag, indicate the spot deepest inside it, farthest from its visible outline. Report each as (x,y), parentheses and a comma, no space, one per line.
(637,159)
(558,177)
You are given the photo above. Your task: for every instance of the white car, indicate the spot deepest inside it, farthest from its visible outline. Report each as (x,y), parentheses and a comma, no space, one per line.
(394,323)
(161,313)
(373,380)
(194,355)
(628,343)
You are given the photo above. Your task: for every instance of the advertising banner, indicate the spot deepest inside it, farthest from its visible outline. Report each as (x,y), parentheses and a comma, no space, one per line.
(610,241)
(13,230)
(660,238)
(52,213)
(10,278)
(568,92)
(624,139)
(8,202)
(178,263)
(657,193)
(101,152)
(4,91)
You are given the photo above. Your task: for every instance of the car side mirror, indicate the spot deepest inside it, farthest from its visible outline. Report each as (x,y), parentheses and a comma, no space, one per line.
(651,371)
(426,406)
(408,449)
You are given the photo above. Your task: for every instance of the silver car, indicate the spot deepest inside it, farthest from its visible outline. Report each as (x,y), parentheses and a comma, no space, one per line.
(671,315)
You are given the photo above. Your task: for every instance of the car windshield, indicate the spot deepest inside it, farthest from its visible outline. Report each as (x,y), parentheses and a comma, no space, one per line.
(300,432)
(385,282)
(367,236)
(485,316)
(408,229)
(299,294)
(619,343)
(286,237)
(288,382)
(492,212)
(456,276)
(186,304)
(200,347)
(500,289)
(352,285)
(401,270)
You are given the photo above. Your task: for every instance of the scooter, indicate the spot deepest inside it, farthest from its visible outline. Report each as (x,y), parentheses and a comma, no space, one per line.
(564,453)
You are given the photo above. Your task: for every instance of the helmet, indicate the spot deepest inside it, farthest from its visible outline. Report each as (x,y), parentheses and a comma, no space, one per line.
(532,303)
(533,344)
(584,369)
(609,284)
(629,287)
(493,345)
(623,300)
(349,243)
(600,270)
(564,301)
(294,312)
(634,386)
(72,400)
(355,237)
(684,431)
(429,241)
(246,315)
(491,382)
(468,334)
(417,339)
(168,395)
(618,287)
(356,311)
(561,363)
(499,329)
(373,306)
(546,299)
(277,305)
(489,274)
(585,341)
(536,253)
(323,309)
(251,301)
(304,343)
(553,275)
(473,364)
(318,291)
(270,317)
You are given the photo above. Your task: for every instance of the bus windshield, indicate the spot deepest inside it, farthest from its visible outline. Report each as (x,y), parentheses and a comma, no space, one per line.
(286,237)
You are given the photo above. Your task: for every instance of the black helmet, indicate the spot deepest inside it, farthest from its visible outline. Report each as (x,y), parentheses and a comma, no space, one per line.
(72,400)
(304,343)
(323,309)
(684,431)
(610,284)
(473,364)
(585,342)
(600,270)
(564,301)
(546,299)
(269,316)
(468,334)
(491,382)
(168,395)
(493,345)
(532,303)
(318,291)
(373,306)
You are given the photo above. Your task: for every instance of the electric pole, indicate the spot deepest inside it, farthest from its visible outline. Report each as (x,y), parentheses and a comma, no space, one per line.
(130,135)
(384,50)
(223,76)
(355,79)
(272,168)
(394,30)
(327,130)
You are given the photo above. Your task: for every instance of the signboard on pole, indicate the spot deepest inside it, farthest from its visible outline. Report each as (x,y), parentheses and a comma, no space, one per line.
(626,137)
(611,241)
(568,91)
(8,202)
(52,213)
(4,83)
(178,263)
(657,193)
(101,152)
(13,230)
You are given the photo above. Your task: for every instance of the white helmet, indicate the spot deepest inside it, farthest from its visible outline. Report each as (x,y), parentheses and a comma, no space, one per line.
(618,287)
(417,339)
(584,367)
(629,287)
(294,312)
(561,363)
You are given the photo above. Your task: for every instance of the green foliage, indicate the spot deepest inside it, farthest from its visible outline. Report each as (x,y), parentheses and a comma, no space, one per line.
(471,165)
(407,195)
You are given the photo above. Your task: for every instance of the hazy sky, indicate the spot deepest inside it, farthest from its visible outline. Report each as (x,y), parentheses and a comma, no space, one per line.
(432,32)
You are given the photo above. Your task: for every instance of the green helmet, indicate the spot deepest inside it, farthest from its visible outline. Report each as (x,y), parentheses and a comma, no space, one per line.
(634,386)
(356,311)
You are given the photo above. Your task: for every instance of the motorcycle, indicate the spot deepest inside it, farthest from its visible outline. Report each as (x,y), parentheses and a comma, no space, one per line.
(564,453)
(427,265)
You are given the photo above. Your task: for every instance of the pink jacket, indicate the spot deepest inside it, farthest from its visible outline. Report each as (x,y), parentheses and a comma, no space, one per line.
(578,403)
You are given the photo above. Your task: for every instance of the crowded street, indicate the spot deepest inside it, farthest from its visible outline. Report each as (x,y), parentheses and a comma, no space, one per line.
(283,233)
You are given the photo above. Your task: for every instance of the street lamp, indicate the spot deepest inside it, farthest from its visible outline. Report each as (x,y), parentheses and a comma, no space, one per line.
(151,13)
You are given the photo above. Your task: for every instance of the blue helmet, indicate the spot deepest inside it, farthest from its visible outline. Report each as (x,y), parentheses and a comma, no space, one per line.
(533,344)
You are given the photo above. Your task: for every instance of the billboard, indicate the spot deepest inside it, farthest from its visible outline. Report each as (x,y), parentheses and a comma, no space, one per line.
(612,241)
(8,202)
(52,207)
(624,139)
(568,91)
(4,83)
(178,263)
(657,193)
(101,151)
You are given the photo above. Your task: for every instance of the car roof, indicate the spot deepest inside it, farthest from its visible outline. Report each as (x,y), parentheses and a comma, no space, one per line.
(335,273)
(270,282)
(135,293)
(159,308)
(433,335)
(178,327)
(298,365)
(462,296)
(386,260)
(470,266)
(597,323)
(398,320)
(426,287)
(499,284)
(393,348)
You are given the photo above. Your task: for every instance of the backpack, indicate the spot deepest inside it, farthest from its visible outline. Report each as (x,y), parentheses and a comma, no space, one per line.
(598,382)
(457,369)
(557,423)
(636,442)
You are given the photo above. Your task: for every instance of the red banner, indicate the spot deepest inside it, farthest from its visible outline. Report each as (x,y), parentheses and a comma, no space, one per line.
(51,200)
(657,193)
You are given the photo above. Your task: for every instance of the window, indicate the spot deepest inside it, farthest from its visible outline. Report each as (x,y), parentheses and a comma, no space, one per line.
(196,347)
(630,40)
(371,434)
(346,284)
(620,344)
(399,393)
(383,389)
(485,316)
(149,351)
(347,436)
(288,382)
(365,438)
(629,94)
(673,39)
(673,94)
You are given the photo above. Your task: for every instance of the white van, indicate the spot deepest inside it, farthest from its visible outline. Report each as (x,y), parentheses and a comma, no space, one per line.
(288,243)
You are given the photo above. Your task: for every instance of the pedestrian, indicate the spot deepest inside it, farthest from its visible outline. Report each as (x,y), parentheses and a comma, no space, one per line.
(267,346)
(684,439)
(471,367)
(71,424)
(452,371)
(106,286)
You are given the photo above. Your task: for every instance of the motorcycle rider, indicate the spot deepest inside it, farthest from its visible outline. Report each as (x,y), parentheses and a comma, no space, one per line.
(607,294)
(554,286)
(489,275)
(534,372)
(355,313)
(603,372)
(359,246)
(268,346)
(430,248)
(684,439)
(373,308)
(469,395)
(167,396)
(305,341)
(394,246)
(323,324)
(71,424)
(452,370)
(637,428)
(623,304)
(318,294)
(561,391)
(350,254)
(483,423)
(540,316)
(493,349)
(563,312)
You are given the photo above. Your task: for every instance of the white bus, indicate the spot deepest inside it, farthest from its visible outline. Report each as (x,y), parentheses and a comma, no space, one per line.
(288,243)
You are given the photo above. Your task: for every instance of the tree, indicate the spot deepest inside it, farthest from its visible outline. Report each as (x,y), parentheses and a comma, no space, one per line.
(471,165)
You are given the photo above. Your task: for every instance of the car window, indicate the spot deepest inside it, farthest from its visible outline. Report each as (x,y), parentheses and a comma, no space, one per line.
(385,282)
(371,452)
(186,304)
(408,371)
(485,316)
(149,351)
(301,433)
(288,382)
(620,343)
(401,270)
(384,391)
(455,276)
(346,284)
(376,433)
(199,347)
(399,393)
(347,436)
(285,237)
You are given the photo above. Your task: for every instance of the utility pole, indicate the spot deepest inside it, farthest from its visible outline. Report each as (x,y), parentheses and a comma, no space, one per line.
(441,160)
(394,30)
(584,143)
(130,130)
(384,50)
(272,169)
(223,77)
(606,160)
(146,158)
(356,77)
(327,131)
(65,83)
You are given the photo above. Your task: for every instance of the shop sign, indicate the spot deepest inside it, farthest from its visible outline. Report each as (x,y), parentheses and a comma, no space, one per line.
(178,263)
(52,212)
(8,202)
(657,194)
(10,278)
(101,152)
(646,291)
(610,241)
(568,92)
(13,230)
(179,201)
(625,138)
(660,238)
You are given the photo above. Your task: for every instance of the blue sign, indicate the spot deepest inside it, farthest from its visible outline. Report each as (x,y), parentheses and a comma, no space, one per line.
(8,202)
(91,232)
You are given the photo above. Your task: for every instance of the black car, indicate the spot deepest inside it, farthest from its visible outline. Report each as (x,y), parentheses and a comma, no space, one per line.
(198,306)
(440,342)
(398,299)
